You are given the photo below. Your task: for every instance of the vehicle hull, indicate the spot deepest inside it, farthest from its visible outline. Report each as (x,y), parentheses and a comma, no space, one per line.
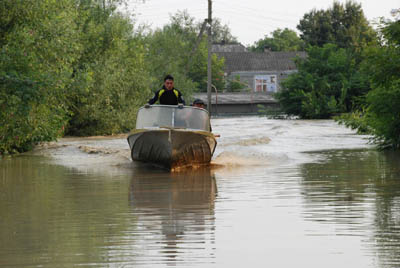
(172,148)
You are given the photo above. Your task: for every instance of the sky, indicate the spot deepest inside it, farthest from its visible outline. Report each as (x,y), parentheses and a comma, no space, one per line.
(249,20)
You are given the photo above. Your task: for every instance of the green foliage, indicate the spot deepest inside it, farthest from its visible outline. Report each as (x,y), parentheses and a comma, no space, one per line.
(170,51)
(383,101)
(167,52)
(198,69)
(381,109)
(383,114)
(221,33)
(271,112)
(281,40)
(79,67)
(343,25)
(67,66)
(36,53)
(327,82)
(235,85)
(391,29)
(330,80)
(110,77)
(355,120)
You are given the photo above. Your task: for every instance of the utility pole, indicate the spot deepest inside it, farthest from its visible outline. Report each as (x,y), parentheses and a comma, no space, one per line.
(209,58)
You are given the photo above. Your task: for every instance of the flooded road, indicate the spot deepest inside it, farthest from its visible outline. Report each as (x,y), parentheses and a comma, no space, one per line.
(279,193)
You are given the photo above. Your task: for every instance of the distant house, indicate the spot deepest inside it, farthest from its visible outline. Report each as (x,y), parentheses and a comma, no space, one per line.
(261,73)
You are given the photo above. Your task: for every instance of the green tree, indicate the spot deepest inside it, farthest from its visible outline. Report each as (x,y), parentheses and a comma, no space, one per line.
(76,65)
(37,52)
(222,32)
(110,77)
(281,40)
(167,51)
(328,81)
(198,70)
(235,85)
(382,65)
(343,25)
(170,50)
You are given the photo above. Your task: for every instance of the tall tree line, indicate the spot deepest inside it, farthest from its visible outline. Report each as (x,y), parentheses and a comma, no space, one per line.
(81,67)
(351,69)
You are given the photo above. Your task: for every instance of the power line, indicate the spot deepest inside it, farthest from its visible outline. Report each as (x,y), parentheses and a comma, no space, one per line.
(241,7)
(260,22)
(154,5)
(251,14)
(161,15)
(255,18)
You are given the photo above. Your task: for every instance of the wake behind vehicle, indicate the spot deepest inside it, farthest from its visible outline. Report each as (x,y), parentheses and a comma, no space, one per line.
(172,136)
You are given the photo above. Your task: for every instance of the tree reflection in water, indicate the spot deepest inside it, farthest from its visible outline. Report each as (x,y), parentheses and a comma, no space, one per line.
(359,192)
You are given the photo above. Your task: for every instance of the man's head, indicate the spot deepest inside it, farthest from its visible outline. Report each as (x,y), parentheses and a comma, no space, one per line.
(169,82)
(199,103)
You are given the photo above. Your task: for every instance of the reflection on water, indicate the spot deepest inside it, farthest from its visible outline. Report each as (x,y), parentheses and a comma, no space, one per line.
(290,194)
(177,211)
(51,216)
(358,191)
(55,216)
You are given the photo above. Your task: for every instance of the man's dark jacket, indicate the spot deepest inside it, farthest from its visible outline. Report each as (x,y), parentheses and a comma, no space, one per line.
(168,97)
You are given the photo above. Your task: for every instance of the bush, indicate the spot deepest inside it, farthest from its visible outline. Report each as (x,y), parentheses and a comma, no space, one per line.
(382,106)
(235,85)
(383,114)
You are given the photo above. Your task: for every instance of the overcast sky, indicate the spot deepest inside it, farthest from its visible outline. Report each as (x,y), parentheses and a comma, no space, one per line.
(250,20)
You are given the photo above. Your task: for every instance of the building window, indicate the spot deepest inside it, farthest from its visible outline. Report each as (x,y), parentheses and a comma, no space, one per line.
(265,83)
(261,85)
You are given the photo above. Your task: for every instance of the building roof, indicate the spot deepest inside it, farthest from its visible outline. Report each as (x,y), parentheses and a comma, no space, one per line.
(255,61)
(237,98)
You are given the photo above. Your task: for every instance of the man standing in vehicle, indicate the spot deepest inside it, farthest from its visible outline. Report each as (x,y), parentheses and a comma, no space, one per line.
(168,95)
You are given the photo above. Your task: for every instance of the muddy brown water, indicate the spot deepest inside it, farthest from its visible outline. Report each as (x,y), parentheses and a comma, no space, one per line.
(279,193)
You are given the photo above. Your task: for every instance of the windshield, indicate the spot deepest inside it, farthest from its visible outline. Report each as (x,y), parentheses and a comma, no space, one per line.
(171,116)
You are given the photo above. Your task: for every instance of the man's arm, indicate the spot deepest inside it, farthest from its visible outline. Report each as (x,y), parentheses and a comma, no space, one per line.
(180,98)
(154,99)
